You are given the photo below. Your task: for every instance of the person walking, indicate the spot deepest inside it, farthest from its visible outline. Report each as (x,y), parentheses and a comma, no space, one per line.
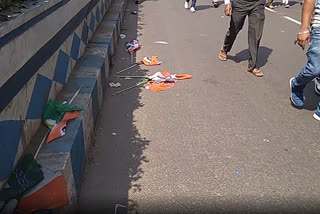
(269,4)
(193,5)
(239,10)
(311,69)
(285,3)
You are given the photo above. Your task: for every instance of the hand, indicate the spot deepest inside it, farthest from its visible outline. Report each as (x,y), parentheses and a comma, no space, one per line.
(228,9)
(302,38)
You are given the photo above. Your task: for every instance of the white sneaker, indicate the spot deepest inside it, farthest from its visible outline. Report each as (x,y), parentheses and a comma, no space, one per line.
(287,6)
(186,4)
(192,9)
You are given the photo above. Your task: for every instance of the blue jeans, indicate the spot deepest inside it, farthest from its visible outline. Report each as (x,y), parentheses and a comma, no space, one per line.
(193,3)
(312,68)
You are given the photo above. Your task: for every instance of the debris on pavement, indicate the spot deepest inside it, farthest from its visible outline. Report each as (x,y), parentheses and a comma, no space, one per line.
(237,171)
(161,42)
(164,80)
(153,60)
(134,12)
(116,208)
(122,36)
(266,140)
(143,81)
(114,85)
(148,61)
(160,80)
(133,46)
(114,134)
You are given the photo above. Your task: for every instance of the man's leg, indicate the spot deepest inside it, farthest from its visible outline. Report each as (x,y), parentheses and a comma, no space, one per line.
(269,4)
(238,17)
(310,71)
(194,3)
(256,22)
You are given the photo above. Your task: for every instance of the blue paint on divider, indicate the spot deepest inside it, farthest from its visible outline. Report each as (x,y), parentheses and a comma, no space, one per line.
(39,97)
(10,138)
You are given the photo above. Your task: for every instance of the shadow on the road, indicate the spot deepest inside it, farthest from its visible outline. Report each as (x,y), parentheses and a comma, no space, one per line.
(203,7)
(264,54)
(279,4)
(311,98)
(116,157)
(141,1)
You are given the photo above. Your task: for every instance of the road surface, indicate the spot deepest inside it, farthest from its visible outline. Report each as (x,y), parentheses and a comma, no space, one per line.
(223,142)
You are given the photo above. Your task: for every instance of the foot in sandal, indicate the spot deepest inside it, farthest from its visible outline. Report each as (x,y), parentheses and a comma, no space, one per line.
(222,54)
(255,71)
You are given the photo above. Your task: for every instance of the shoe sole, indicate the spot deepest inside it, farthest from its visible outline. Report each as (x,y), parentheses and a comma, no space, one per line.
(294,104)
(315,116)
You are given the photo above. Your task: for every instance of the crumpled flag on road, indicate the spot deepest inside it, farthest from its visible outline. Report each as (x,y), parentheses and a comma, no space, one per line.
(55,111)
(164,80)
(59,129)
(132,46)
(153,60)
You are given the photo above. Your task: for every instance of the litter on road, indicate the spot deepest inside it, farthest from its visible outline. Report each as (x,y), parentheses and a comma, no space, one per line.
(133,46)
(114,85)
(161,42)
(148,61)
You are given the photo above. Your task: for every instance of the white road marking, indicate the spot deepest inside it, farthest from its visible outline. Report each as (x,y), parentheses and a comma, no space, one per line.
(286,17)
(291,19)
(161,42)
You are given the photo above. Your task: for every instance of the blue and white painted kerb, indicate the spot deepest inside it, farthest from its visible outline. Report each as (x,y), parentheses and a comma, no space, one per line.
(90,69)
(38,69)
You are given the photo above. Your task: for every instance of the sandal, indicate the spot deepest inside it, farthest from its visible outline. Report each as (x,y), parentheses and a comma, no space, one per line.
(255,71)
(222,55)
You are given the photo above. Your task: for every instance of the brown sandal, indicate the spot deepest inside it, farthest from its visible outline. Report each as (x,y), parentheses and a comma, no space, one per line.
(222,55)
(255,71)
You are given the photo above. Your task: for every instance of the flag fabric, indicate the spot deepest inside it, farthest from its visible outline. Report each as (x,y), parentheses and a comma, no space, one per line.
(164,80)
(59,129)
(26,175)
(132,46)
(50,193)
(153,60)
(55,111)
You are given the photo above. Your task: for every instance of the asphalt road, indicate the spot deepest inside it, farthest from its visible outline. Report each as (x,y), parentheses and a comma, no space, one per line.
(223,142)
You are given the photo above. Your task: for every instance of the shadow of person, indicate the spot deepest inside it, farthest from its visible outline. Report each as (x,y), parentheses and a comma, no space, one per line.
(263,57)
(311,98)
(203,7)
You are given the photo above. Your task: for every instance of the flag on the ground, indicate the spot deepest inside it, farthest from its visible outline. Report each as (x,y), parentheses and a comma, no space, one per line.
(153,60)
(132,46)
(164,80)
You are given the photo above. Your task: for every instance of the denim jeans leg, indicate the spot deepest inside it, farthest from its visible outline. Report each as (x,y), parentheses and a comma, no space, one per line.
(193,3)
(312,67)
